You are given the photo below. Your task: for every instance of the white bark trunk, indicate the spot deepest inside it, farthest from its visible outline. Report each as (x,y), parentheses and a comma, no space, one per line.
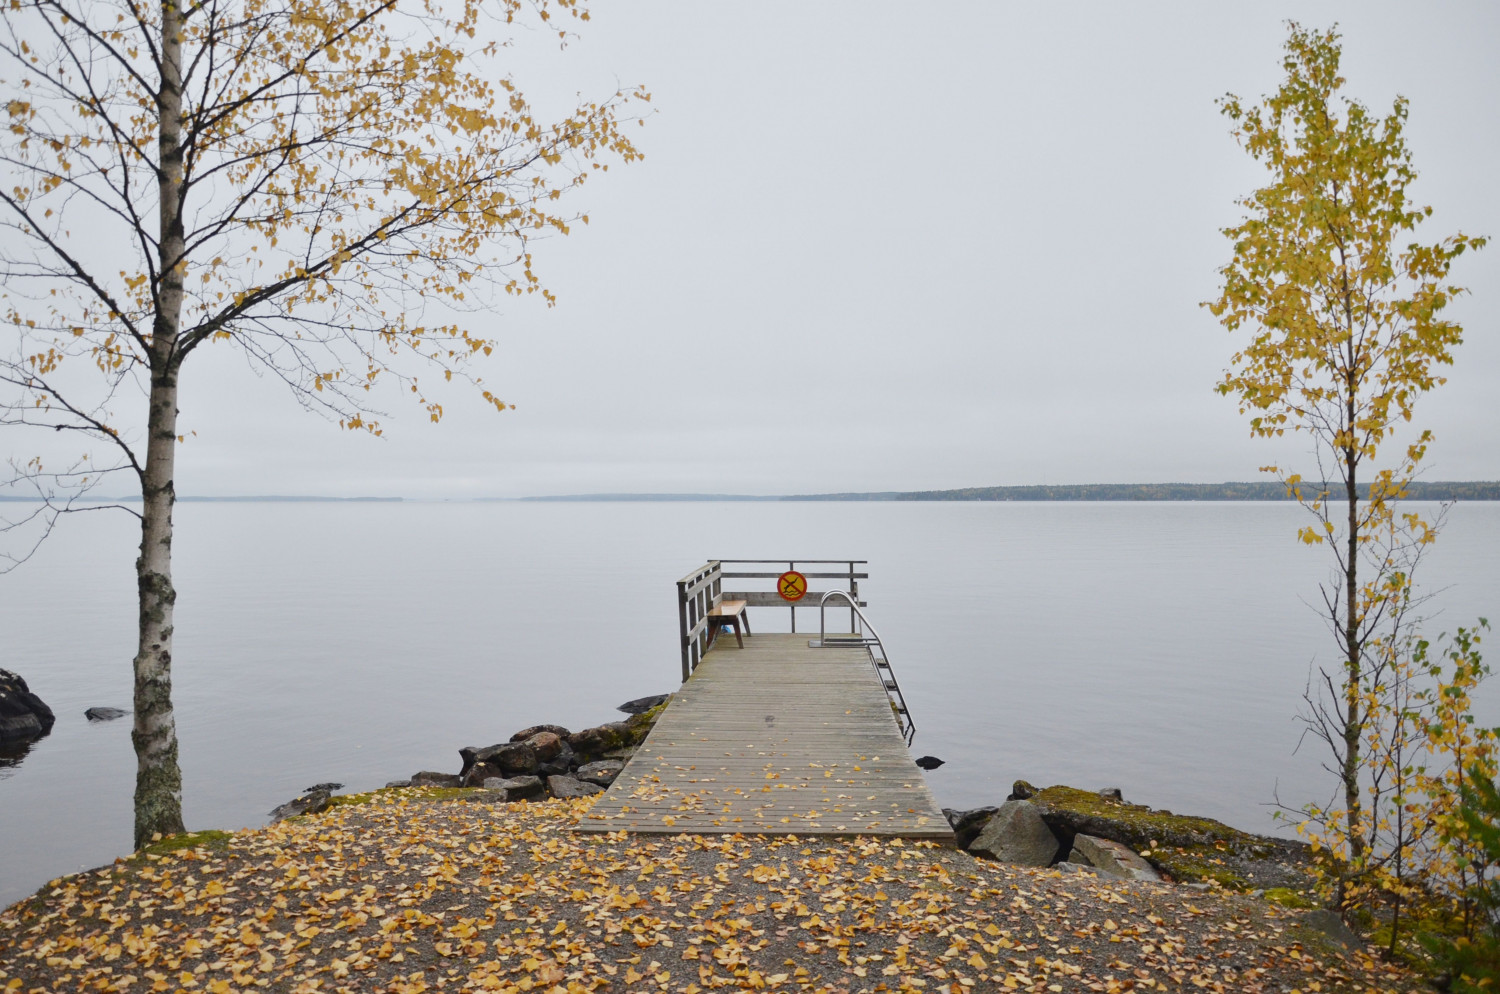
(158,782)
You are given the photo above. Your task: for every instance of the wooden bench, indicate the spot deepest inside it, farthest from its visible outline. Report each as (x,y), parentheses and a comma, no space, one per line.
(728,614)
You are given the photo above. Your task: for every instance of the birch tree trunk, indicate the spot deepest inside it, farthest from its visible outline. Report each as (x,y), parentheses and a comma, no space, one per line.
(158,779)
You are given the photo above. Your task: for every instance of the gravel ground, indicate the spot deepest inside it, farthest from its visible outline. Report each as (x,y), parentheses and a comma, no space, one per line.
(406,894)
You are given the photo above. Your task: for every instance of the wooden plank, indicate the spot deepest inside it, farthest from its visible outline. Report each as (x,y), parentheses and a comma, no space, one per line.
(774,738)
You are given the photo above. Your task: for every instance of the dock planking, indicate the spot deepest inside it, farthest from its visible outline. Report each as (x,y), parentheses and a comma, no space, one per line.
(776,738)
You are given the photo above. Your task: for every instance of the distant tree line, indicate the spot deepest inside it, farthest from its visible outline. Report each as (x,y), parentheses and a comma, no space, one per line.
(1258,490)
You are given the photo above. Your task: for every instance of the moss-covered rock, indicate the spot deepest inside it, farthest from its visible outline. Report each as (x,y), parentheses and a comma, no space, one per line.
(210,840)
(1186,848)
(614,739)
(1287,898)
(639,725)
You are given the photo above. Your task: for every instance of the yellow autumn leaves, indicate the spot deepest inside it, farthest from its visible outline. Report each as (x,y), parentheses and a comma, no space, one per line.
(407,894)
(343,163)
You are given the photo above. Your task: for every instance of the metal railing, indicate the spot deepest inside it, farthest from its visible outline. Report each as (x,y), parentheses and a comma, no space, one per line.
(697,593)
(769,598)
(870,643)
(702,590)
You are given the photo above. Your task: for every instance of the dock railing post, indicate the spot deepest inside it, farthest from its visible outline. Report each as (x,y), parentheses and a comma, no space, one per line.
(682,628)
(854,592)
(793,608)
(697,594)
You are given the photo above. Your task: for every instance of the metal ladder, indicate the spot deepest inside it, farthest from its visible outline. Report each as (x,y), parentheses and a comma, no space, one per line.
(881,662)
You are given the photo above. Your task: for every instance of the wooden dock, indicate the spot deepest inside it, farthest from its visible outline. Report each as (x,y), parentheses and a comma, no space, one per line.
(775,738)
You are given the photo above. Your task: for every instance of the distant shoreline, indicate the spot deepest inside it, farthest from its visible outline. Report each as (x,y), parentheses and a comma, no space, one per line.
(1251,491)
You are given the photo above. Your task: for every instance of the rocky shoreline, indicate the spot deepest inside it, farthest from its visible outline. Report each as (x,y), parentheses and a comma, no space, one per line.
(535,763)
(1068,828)
(1061,827)
(24,717)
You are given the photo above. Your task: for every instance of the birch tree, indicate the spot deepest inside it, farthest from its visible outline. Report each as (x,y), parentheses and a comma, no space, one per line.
(325,185)
(1338,312)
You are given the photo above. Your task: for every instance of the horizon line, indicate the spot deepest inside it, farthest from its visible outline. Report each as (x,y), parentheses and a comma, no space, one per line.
(1256,490)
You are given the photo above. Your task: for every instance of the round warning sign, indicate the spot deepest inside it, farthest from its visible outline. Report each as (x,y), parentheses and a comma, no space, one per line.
(791,585)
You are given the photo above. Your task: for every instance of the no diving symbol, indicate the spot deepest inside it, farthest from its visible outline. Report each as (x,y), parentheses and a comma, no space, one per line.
(791,585)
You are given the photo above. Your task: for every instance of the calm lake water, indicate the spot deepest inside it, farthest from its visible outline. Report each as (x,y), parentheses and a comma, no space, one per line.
(1157,647)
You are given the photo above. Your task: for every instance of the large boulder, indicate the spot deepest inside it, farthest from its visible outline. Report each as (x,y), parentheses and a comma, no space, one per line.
(1114,858)
(309,803)
(615,739)
(568,787)
(643,704)
(23,715)
(968,824)
(506,759)
(593,743)
(1016,833)
(546,744)
(531,730)
(560,764)
(601,772)
(516,788)
(476,775)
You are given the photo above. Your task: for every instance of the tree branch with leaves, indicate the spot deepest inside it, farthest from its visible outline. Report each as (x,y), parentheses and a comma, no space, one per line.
(330,186)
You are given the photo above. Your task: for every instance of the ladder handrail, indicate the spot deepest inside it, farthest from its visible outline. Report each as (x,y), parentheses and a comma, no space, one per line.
(873,640)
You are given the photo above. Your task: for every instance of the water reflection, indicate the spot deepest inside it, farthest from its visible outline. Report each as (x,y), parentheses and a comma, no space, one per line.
(11,754)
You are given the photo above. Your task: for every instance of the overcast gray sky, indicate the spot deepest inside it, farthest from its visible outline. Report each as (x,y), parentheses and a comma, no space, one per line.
(892,247)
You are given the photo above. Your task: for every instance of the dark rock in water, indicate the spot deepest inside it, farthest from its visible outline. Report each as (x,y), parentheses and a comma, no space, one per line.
(643,704)
(601,772)
(1017,834)
(566,787)
(968,824)
(1021,791)
(308,804)
(105,714)
(429,778)
(23,715)
(929,762)
(516,788)
(528,732)
(330,787)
